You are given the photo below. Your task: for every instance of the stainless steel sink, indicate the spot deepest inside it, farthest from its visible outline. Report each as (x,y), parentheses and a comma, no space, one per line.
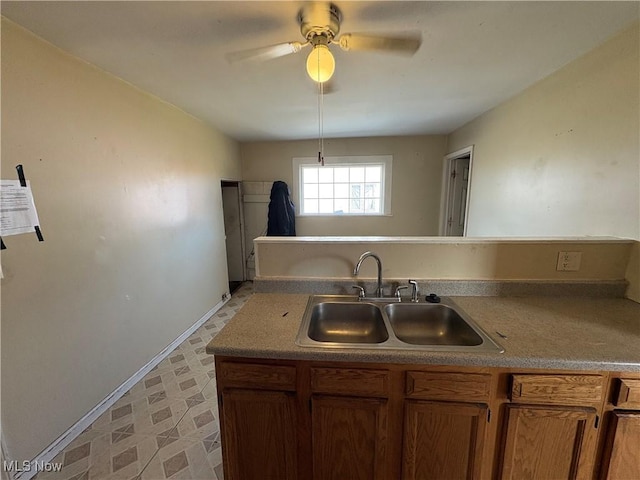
(347,323)
(344,321)
(430,324)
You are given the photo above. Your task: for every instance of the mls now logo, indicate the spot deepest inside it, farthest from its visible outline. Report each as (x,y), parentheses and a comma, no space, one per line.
(26,466)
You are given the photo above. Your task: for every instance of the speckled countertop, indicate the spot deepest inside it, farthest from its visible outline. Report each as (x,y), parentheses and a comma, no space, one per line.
(578,333)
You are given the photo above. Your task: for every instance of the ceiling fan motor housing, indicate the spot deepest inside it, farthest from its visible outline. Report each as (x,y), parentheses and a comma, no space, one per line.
(320,19)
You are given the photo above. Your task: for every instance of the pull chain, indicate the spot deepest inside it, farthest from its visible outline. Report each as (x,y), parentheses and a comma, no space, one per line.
(320,120)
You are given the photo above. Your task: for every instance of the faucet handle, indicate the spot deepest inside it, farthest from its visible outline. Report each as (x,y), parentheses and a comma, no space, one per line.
(361,293)
(397,294)
(414,290)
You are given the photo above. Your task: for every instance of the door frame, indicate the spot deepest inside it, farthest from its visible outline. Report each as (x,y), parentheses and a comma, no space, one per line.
(446,202)
(243,250)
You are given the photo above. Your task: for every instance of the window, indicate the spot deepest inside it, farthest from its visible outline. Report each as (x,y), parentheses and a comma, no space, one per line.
(343,186)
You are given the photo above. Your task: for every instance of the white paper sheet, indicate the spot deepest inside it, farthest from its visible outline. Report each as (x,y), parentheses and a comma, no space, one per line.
(17,208)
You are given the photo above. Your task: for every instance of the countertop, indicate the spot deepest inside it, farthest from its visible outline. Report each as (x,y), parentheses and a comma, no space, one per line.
(577,333)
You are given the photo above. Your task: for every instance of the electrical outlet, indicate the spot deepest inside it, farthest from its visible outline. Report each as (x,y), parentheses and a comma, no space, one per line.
(569,261)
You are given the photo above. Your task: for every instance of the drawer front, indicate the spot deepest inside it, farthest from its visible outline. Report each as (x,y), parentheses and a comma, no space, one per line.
(628,393)
(350,381)
(256,376)
(557,389)
(448,386)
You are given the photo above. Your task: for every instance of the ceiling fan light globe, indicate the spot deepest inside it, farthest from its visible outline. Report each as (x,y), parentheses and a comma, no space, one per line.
(320,64)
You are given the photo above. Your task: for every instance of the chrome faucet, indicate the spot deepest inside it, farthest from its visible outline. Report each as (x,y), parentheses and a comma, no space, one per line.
(414,290)
(356,270)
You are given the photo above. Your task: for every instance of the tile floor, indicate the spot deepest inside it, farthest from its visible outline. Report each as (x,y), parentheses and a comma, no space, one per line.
(166,426)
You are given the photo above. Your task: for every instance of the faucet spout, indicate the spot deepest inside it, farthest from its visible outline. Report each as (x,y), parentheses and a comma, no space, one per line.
(356,270)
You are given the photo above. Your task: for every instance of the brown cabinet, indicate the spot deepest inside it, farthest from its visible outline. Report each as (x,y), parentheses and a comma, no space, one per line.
(262,440)
(333,420)
(551,426)
(445,415)
(349,438)
(350,423)
(621,445)
(621,459)
(443,440)
(548,442)
(258,421)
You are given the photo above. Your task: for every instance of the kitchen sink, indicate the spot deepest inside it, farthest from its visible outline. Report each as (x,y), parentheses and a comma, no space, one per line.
(347,323)
(344,321)
(429,324)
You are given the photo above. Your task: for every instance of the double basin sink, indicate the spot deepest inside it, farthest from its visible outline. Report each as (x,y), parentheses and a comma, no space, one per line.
(344,321)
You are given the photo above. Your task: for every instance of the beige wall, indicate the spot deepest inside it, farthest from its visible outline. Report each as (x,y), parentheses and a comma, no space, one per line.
(416,178)
(562,157)
(128,194)
(443,258)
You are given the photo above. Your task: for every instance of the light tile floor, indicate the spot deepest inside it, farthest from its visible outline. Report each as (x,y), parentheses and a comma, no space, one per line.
(166,426)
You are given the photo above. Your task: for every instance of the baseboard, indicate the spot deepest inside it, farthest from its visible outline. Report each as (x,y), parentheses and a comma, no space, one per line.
(44,458)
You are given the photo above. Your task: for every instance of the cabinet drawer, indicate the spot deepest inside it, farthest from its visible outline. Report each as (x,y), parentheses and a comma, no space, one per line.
(256,376)
(448,386)
(628,393)
(557,389)
(350,381)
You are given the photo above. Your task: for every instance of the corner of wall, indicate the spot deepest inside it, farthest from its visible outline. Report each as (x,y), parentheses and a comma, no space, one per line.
(633,273)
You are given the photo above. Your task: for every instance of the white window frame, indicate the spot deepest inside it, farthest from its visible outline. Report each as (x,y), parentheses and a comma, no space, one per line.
(385,160)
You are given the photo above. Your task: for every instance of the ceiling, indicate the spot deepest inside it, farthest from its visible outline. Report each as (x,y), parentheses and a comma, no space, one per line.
(474,55)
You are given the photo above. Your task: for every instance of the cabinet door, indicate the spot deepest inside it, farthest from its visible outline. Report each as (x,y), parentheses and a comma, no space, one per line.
(259,435)
(443,440)
(349,437)
(549,442)
(621,458)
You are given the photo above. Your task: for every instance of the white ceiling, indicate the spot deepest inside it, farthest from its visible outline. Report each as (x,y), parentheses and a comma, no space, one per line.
(474,55)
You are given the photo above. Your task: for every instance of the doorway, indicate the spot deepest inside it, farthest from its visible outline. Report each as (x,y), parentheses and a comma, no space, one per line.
(234,232)
(455,193)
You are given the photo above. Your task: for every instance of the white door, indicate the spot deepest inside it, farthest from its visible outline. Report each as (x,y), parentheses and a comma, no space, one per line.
(233,230)
(459,184)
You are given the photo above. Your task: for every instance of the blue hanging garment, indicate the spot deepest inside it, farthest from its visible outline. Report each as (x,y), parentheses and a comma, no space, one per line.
(282,215)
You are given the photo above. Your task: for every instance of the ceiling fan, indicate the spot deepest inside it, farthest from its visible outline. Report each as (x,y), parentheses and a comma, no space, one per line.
(319,25)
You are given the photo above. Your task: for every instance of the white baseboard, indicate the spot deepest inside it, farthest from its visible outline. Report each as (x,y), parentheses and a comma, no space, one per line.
(74,431)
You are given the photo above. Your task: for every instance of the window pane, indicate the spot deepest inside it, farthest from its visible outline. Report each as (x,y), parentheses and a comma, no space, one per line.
(341,174)
(325,190)
(310,190)
(357,174)
(325,175)
(372,206)
(373,174)
(356,206)
(341,205)
(311,206)
(341,190)
(343,187)
(372,190)
(309,175)
(326,206)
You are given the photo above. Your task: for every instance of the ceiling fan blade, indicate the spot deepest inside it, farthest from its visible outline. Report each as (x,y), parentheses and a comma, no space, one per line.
(265,53)
(407,45)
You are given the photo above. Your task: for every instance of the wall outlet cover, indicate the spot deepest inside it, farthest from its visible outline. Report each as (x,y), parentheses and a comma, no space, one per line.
(569,261)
